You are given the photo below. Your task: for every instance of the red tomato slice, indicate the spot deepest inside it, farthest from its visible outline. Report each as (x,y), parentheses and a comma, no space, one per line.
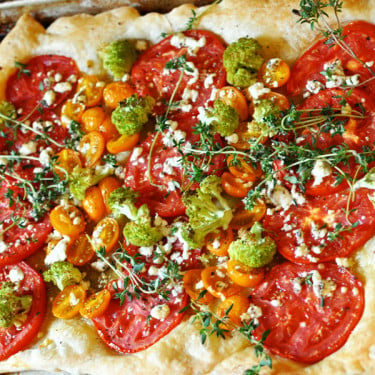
(14,339)
(130,328)
(151,78)
(21,241)
(304,327)
(360,38)
(302,232)
(26,89)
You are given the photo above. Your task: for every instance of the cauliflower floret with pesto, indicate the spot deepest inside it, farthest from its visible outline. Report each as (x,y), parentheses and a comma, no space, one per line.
(118,57)
(252,249)
(132,113)
(63,274)
(242,61)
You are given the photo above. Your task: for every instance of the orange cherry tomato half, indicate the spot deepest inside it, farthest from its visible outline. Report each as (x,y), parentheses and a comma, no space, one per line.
(193,286)
(96,304)
(92,147)
(279,99)
(233,307)
(235,186)
(106,234)
(243,275)
(66,160)
(217,281)
(122,143)
(68,220)
(115,92)
(243,218)
(71,111)
(108,129)
(238,167)
(92,118)
(106,186)
(93,204)
(91,89)
(80,252)
(274,73)
(248,133)
(68,302)
(218,243)
(234,97)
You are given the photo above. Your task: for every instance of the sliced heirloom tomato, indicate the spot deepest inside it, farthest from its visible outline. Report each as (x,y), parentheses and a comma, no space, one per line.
(14,339)
(318,230)
(133,326)
(24,87)
(307,323)
(359,38)
(26,238)
(151,78)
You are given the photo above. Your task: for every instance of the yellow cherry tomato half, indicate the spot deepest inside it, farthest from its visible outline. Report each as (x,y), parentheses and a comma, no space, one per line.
(217,281)
(96,304)
(233,307)
(68,220)
(115,92)
(194,287)
(71,111)
(92,147)
(235,186)
(234,97)
(274,73)
(92,118)
(243,275)
(93,204)
(68,302)
(106,186)
(91,90)
(218,243)
(238,167)
(106,234)
(122,143)
(108,129)
(243,218)
(80,252)
(66,160)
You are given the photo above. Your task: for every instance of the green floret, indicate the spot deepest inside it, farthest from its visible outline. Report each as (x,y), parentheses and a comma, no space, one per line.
(207,209)
(81,179)
(7,109)
(242,61)
(122,202)
(267,115)
(13,308)
(223,118)
(63,274)
(132,113)
(252,249)
(139,231)
(118,57)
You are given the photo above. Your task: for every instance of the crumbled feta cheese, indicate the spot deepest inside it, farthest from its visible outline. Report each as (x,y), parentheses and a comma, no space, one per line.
(62,87)
(49,98)
(28,148)
(160,312)
(257,90)
(179,40)
(16,274)
(58,253)
(281,197)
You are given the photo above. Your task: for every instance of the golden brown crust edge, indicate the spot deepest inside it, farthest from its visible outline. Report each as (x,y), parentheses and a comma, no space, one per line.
(73,345)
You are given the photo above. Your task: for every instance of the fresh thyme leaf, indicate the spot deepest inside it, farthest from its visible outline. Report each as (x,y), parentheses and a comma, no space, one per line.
(21,69)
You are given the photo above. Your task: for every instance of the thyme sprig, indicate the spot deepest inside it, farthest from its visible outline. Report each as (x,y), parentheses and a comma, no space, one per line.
(195,18)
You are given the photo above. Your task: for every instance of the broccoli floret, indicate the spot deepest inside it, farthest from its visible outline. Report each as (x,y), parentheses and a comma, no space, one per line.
(223,118)
(7,109)
(12,306)
(63,274)
(252,249)
(132,113)
(118,57)
(122,202)
(242,61)
(267,114)
(207,209)
(139,231)
(80,179)
(186,232)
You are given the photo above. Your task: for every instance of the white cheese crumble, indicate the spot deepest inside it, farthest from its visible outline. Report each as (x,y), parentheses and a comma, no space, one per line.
(179,40)
(49,98)
(160,312)
(16,274)
(320,170)
(28,148)
(58,253)
(257,90)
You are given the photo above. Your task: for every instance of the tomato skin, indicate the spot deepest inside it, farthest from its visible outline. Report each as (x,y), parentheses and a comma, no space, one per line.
(223,239)
(235,186)
(191,279)
(15,339)
(243,275)
(325,328)
(125,328)
(360,38)
(326,212)
(150,79)
(62,306)
(243,218)
(96,304)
